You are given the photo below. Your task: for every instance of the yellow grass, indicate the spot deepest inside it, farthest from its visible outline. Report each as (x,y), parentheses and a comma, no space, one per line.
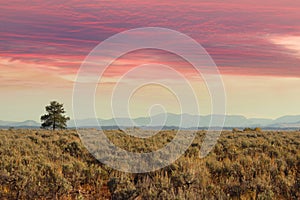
(40,164)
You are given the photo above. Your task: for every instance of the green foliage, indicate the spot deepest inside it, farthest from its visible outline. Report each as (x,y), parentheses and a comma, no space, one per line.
(55,118)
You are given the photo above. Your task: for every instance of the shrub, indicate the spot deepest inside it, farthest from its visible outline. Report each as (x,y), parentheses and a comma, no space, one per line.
(55,165)
(247,129)
(257,129)
(235,130)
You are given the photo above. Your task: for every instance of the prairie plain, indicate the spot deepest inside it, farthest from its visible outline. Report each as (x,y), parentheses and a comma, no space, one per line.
(41,164)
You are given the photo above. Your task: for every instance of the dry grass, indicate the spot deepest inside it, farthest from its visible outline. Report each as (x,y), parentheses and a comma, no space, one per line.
(39,164)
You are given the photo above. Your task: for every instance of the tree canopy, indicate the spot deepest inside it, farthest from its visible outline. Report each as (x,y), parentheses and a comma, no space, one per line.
(55,118)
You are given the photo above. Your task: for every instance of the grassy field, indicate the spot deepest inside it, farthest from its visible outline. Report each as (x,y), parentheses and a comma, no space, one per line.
(40,164)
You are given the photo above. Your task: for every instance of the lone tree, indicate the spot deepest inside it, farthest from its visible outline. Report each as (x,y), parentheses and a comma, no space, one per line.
(55,117)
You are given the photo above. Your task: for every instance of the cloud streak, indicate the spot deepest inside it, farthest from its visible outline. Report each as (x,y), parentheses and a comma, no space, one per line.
(238,35)
(254,43)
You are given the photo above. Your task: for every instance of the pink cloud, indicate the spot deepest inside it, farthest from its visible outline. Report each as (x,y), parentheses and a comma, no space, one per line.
(236,34)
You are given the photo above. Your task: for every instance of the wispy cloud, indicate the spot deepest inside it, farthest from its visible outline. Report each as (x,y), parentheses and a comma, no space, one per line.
(43,43)
(290,43)
(236,34)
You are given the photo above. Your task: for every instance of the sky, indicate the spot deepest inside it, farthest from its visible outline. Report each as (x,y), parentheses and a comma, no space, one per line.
(255,45)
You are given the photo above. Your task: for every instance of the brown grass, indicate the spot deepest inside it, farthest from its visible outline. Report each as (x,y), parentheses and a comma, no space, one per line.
(39,164)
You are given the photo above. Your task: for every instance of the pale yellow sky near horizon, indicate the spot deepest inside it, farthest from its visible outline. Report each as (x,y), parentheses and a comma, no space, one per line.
(250,96)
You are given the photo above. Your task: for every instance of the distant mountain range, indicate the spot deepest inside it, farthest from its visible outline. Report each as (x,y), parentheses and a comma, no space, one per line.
(173,121)
(24,124)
